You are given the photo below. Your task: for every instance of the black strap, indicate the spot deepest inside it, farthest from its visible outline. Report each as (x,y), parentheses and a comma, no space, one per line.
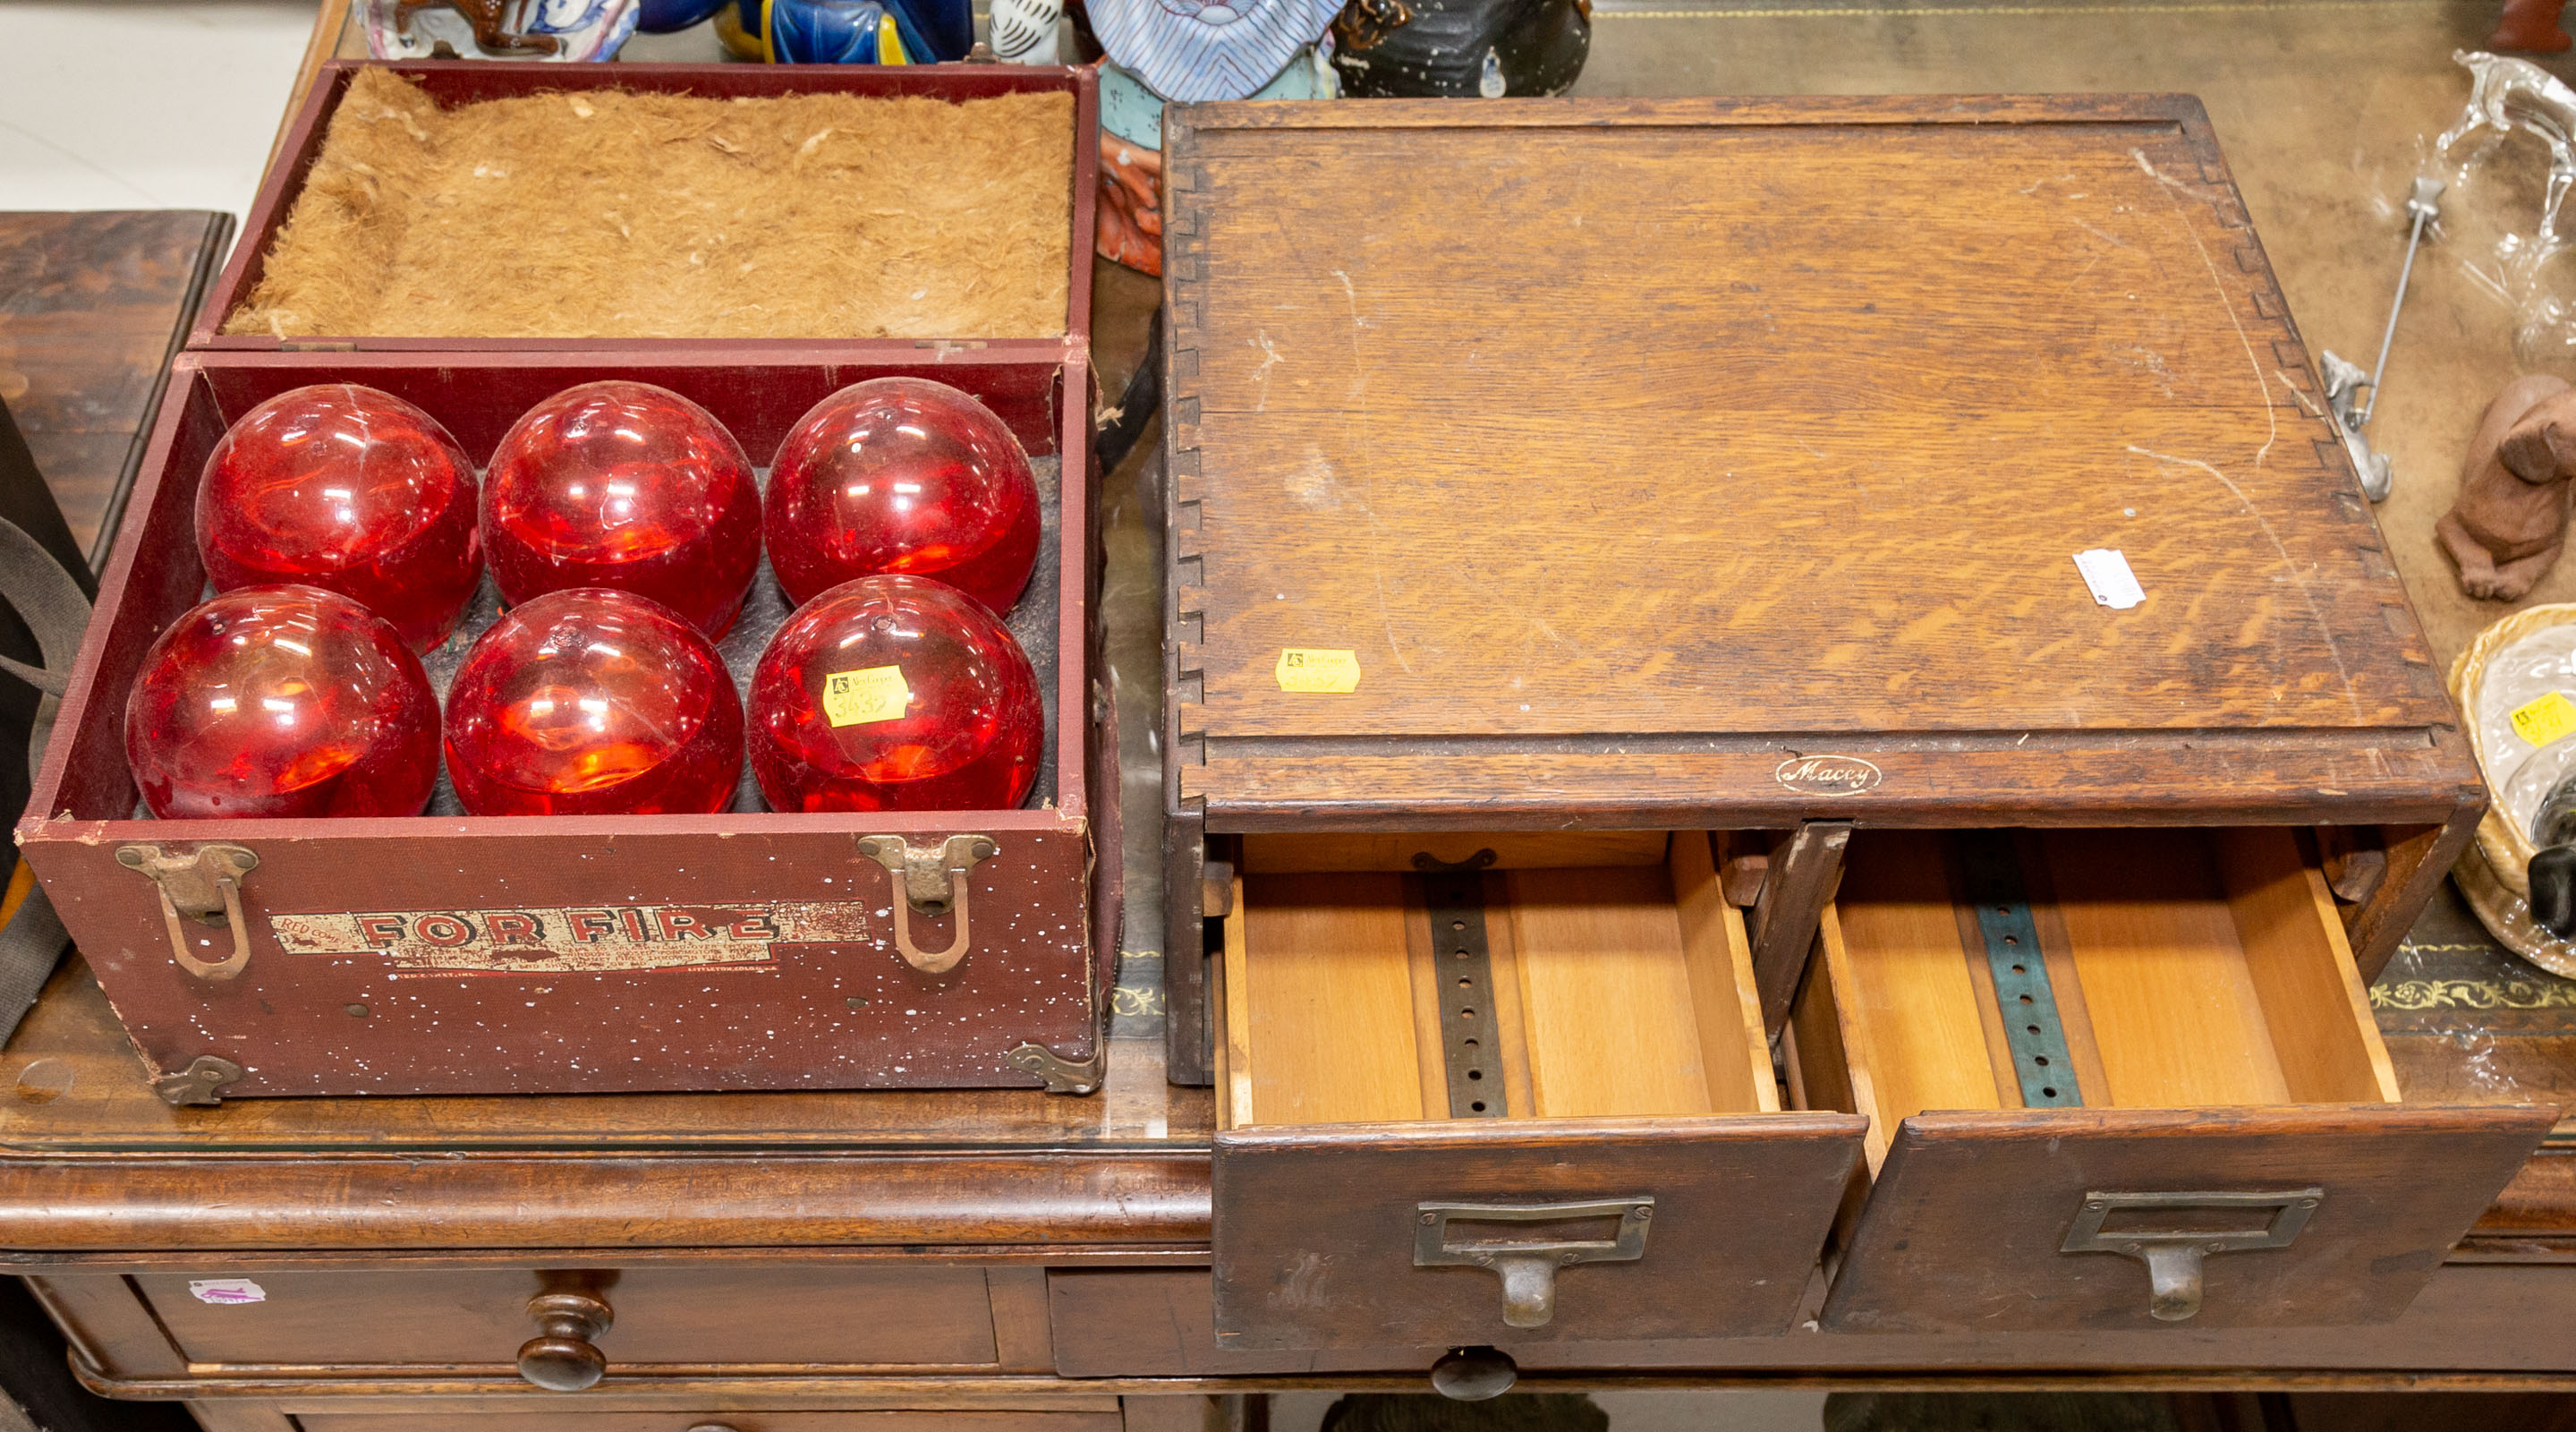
(50,602)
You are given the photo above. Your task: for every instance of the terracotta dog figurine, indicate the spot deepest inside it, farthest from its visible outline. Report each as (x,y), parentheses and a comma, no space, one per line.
(2509,522)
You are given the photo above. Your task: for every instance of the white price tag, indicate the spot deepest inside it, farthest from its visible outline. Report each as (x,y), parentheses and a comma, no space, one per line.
(227,1290)
(2107,573)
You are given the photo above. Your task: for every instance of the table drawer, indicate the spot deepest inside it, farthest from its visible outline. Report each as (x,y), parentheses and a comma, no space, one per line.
(1503,1099)
(726,1421)
(2207,1132)
(662,1317)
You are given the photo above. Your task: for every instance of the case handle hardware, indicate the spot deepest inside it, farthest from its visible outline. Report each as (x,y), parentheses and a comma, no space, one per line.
(562,1357)
(1528,1270)
(930,880)
(2173,1256)
(205,886)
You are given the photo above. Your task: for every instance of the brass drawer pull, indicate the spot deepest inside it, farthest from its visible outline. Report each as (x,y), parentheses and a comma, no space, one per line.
(205,886)
(2173,1256)
(561,1357)
(1528,1270)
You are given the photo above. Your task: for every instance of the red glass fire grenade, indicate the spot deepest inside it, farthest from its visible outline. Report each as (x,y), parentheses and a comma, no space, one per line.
(902,475)
(628,486)
(895,693)
(281,701)
(593,702)
(352,490)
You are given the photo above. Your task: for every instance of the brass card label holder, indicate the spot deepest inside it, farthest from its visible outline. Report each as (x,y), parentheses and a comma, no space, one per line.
(2173,1256)
(1528,1270)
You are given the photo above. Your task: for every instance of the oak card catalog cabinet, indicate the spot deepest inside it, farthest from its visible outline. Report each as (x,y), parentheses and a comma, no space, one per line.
(1666,581)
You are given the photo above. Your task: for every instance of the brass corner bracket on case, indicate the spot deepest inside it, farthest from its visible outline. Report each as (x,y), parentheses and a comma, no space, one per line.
(197,1083)
(205,885)
(931,880)
(2174,1256)
(1061,1075)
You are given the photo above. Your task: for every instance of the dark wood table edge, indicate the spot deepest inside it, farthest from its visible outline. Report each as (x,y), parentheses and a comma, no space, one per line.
(1114,1207)
(387,1395)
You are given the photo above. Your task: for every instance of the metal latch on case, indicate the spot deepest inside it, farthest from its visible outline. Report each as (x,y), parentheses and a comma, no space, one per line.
(203,884)
(2173,1255)
(1528,1270)
(932,881)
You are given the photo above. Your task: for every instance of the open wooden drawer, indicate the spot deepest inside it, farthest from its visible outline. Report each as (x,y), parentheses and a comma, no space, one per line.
(1525,1097)
(2206,1132)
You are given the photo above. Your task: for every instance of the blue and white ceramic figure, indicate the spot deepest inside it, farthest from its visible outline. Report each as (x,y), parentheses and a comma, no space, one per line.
(661,17)
(1193,50)
(865,32)
(581,29)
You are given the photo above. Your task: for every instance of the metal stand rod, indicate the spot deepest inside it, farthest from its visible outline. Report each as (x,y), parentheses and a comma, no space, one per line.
(2420,205)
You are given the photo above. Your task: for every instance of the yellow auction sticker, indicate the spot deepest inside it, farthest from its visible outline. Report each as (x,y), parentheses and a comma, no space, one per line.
(1305,668)
(855,698)
(2545,719)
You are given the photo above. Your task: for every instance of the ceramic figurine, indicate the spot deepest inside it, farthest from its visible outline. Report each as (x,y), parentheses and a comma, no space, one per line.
(487,29)
(1024,31)
(1460,49)
(1130,225)
(662,17)
(738,28)
(1187,51)
(865,32)
(2508,524)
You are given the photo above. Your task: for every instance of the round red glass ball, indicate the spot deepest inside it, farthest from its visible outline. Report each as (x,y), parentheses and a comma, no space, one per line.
(894,693)
(349,489)
(907,476)
(628,486)
(281,701)
(593,702)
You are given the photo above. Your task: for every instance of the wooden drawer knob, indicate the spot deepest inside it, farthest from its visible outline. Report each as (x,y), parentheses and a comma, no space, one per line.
(1473,1374)
(561,1358)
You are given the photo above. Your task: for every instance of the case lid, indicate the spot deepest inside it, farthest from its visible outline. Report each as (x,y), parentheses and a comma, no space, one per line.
(1613,461)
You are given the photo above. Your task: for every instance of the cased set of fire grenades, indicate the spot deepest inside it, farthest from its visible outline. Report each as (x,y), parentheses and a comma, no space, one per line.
(343,531)
(409,751)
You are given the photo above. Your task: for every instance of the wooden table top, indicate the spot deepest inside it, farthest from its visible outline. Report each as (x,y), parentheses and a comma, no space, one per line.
(91,1159)
(92,1163)
(92,306)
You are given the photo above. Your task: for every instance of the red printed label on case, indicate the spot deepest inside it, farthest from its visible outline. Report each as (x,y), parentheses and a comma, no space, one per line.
(573,940)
